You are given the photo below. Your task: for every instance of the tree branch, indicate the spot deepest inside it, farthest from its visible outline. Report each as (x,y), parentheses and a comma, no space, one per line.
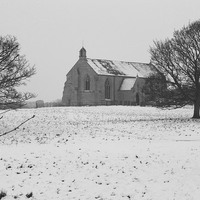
(5,112)
(17,126)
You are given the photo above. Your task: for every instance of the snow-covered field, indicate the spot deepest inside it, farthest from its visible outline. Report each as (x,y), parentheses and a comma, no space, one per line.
(103,153)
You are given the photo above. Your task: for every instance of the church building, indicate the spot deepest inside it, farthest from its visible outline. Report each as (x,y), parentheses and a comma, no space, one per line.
(105,82)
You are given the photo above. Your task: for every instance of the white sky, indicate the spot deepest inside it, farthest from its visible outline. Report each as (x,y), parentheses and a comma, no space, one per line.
(51,32)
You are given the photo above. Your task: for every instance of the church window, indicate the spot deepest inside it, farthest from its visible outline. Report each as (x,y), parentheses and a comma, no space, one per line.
(87,83)
(107,89)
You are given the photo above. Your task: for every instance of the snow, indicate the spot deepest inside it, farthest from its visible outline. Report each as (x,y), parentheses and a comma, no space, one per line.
(128,83)
(121,68)
(114,152)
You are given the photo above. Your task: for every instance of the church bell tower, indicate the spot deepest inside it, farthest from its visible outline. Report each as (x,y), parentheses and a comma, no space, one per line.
(82,53)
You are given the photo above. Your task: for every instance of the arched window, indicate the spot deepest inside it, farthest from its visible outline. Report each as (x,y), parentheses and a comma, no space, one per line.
(87,83)
(107,89)
(137,99)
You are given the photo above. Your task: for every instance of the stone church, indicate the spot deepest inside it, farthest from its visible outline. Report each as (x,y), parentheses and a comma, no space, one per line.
(105,82)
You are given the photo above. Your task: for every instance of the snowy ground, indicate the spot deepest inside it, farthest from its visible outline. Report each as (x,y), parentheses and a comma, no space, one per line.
(103,153)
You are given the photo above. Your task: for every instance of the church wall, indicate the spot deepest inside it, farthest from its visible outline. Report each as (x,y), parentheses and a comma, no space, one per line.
(120,97)
(126,97)
(75,92)
(115,83)
(70,88)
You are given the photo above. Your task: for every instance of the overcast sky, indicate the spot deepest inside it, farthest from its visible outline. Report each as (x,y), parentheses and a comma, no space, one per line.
(51,32)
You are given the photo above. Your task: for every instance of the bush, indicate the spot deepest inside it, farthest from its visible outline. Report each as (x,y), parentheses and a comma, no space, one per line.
(2,194)
(29,195)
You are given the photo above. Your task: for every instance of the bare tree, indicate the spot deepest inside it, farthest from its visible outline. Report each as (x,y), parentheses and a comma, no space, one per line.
(179,60)
(14,70)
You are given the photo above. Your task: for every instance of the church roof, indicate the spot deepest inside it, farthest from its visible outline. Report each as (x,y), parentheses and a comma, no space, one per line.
(121,68)
(128,83)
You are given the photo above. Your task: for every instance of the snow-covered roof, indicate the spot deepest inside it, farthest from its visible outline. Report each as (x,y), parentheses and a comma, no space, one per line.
(121,68)
(127,83)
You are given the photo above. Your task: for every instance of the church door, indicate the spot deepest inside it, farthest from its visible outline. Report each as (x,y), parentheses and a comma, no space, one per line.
(107,89)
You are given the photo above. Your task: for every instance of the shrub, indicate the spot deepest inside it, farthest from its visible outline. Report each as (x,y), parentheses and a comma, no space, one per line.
(2,194)
(29,195)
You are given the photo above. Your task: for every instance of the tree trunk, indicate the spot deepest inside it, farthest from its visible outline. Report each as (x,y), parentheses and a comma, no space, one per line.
(196,110)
